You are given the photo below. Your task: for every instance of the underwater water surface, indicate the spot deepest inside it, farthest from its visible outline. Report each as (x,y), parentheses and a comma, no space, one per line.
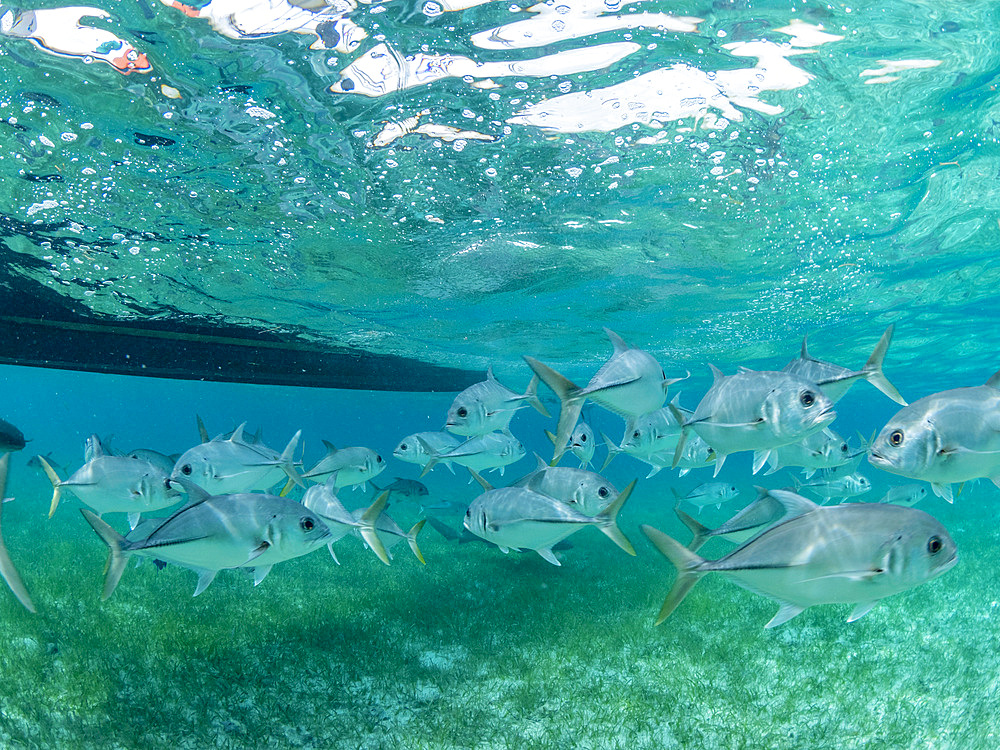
(455,184)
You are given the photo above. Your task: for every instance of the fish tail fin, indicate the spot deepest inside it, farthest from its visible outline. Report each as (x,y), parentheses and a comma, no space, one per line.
(531,396)
(570,404)
(607,520)
(682,440)
(119,556)
(287,461)
(56,484)
(873,368)
(699,530)
(367,528)
(686,563)
(411,538)
(7,569)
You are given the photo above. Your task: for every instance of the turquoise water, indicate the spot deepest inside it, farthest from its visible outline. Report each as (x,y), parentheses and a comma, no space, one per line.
(712,190)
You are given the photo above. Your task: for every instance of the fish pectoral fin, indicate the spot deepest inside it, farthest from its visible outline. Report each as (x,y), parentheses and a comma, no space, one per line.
(259,574)
(259,550)
(786,613)
(850,575)
(547,555)
(609,386)
(860,610)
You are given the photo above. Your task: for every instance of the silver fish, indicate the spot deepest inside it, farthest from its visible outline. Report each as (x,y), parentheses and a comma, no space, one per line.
(412,448)
(161,461)
(709,493)
(907,495)
(518,518)
(489,406)
(836,380)
(390,534)
(496,450)
(234,465)
(757,411)
(7,569)
(629,384)
(759,515)
(218,532)
(582,442)
(347,466)
(947,437)
(821,450)
(849,486)
(584,490)
(115,484)
(858,553)
(408,488)
(322,500)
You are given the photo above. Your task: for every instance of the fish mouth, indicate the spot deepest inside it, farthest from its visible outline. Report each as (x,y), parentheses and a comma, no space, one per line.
(949,565)
(874,457)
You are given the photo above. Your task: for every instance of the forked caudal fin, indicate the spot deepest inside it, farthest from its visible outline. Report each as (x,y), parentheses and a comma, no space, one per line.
(570,403)
(686,563)
(606,520)
(119,557)
(56,484)
(366,527)
(873,368)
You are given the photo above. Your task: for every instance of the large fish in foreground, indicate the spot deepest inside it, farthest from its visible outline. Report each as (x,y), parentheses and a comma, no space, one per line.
(945,438)
(519,518)
(11,438)
(837,380)
(214,533)
(629,384)
(7,569)
(756,411)
(857,554)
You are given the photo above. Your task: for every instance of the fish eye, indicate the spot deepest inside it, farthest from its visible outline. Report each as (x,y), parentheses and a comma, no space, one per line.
(635,434)
(583,438)
(186,470)
(468,513)
(843,447)
(896,437)
(807,398)
(462,412)
(378,459)
(934,545)
(402,447)
(603,492)
(307,524)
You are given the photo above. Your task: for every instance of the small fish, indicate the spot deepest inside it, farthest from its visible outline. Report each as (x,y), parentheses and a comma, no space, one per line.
(709,493)
(496,450)
(233,465)
(759,515)
(408,488)
(7,569)
(11,438)
(582,442)
(218,532)
(906,495)
(858,553)
(849,486)
(322,500)
(115,484)
(757,411)
(821,450)
(630,383)
(584,490)
(349,466)
(35,462)
(945,438)
(516,517)
(648,434)
(412,448)
(161,461)
(489,406)
(836,380)
(390,534)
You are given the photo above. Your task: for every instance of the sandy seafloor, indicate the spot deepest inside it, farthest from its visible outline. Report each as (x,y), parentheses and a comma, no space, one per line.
(475,649)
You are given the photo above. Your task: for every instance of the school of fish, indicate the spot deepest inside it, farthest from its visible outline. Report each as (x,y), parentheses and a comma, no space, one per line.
(232,502)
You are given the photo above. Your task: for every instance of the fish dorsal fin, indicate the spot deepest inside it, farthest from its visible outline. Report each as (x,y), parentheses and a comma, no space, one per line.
(330,447)
(741,369)
(540,463)
(794,504)
(237,436)
(994,381)
(805,347)
(716,373)
(617,342)
(202,432)
(489,374)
